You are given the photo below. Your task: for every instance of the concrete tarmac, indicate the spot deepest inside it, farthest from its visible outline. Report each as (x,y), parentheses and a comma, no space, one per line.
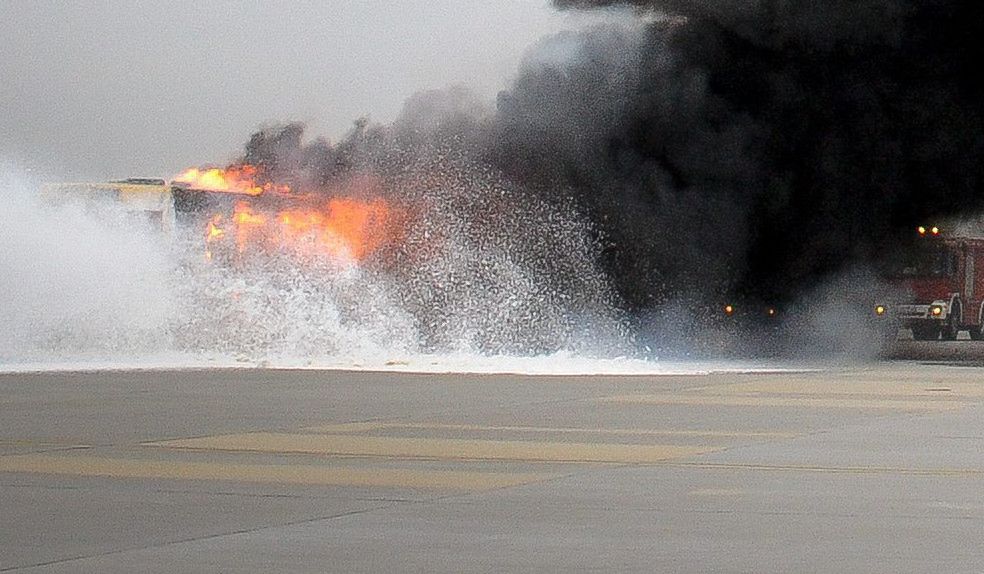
(866,468)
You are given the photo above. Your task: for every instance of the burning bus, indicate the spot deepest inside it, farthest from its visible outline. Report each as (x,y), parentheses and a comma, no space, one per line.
(940,286)
(240,216)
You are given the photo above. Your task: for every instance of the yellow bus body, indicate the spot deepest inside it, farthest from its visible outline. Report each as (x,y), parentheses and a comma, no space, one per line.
(151,197)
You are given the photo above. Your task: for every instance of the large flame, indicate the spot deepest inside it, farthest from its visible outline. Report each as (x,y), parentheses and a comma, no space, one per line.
(342,229)
(239,178)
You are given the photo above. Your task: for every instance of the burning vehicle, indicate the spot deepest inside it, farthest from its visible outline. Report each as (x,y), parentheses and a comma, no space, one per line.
(240,217)
(434,257)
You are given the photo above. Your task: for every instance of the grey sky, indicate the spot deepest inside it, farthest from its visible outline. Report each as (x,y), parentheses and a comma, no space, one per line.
(98,89)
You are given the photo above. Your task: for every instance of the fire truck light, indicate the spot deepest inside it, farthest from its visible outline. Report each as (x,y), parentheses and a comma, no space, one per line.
(935,231)
(936,310)
(921,230)
(879,309)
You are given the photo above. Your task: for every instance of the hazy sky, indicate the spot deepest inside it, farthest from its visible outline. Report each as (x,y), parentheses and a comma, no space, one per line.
(99,89)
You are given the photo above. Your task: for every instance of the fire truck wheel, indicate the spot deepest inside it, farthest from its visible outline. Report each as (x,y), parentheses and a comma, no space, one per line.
(926,332)
(949,332)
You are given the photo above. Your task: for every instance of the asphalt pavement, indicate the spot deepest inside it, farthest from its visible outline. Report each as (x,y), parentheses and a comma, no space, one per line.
(860,468)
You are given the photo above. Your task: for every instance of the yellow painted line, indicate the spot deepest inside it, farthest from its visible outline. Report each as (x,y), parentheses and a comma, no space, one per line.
(256,473)
(361,427)
(458,449)
(877,388)
(809,402)
(350,427)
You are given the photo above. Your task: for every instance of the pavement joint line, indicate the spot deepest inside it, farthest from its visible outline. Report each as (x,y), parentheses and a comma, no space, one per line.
(863,386)
(664,510)
(42,443)
(40,486)
(826,469)
(245,494)
(901,405)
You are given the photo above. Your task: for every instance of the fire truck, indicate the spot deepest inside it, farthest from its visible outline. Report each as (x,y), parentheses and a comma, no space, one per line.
(938,287)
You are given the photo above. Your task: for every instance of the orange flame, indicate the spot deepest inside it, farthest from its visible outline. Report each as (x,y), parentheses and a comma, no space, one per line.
(246,221)
(344,229)
(239,178)
(213,231)
(341,228)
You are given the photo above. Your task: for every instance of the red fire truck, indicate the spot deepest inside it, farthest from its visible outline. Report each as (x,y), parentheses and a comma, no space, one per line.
(938,287)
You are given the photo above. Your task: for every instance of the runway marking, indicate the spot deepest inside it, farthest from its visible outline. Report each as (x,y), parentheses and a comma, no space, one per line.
(867,388)
(348,427)
(440,449)
(366,427)
(256,473)
(767,401)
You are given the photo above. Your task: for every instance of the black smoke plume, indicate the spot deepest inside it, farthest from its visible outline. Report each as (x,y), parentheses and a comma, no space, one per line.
(748,148)
(770,141)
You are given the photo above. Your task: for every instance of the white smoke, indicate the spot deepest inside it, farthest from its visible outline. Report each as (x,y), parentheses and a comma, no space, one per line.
(283,312)
(76,283)
(85,282)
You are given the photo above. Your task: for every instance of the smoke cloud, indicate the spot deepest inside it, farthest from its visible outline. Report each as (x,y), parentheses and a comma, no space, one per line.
(708,151)
(481,264)
(758,147)
(717,149)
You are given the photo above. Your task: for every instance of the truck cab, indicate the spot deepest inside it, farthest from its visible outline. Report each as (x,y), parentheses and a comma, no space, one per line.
(939,286)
